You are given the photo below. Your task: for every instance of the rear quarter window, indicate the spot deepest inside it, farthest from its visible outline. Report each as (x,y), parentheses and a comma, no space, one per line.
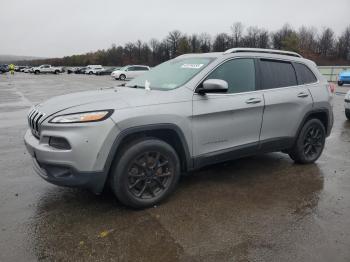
(305,75)
(276,74)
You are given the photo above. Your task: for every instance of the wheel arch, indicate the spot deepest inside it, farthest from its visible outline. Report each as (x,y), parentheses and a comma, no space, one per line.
(322,114)
(169,133)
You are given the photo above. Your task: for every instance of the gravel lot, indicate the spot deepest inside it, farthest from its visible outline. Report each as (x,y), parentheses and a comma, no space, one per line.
(262,208)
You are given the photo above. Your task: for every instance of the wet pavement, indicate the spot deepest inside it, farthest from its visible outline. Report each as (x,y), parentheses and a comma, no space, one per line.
(262,208)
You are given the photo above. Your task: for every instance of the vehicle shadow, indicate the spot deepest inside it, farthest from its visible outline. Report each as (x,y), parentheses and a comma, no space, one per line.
(217,213)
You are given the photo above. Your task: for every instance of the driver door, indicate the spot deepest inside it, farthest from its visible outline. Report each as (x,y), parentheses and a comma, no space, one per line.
(225,125)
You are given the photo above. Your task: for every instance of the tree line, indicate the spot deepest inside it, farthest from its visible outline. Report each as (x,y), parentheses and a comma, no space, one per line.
(324,47)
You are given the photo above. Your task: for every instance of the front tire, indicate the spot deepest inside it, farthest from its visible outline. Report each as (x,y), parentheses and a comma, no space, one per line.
(340,83)
(122,77)
(37,72)
(90,73)
(146,172)
(310,142)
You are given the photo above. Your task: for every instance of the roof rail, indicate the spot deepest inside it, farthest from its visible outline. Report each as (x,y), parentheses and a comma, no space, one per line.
(261,50)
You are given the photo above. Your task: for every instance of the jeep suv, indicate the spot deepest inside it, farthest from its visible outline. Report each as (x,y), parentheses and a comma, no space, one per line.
(187,113)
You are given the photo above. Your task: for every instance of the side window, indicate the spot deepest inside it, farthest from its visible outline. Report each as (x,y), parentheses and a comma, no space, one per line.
(238,73)
(131,68)
(275,74)
(305,75)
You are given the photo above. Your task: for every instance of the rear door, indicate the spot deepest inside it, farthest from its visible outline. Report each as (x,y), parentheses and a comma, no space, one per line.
(286,103)
(226,123)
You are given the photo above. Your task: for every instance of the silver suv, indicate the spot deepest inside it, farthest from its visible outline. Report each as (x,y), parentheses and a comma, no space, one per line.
(189,112)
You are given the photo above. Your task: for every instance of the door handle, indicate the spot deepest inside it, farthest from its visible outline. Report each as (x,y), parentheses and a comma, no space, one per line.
(303,94)
(253,100)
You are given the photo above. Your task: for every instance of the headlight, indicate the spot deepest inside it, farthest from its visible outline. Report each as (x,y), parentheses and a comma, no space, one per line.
(92,116)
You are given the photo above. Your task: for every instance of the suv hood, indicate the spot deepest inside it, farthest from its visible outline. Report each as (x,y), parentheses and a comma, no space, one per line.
(111,98)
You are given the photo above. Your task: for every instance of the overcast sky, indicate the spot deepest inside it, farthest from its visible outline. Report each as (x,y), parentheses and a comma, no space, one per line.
(51,28)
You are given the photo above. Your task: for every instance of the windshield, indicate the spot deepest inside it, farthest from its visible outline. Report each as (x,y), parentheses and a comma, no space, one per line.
(171,74)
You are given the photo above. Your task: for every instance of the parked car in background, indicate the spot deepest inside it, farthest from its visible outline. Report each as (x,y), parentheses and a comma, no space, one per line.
(80,70)
(178,117)
(19,68)
(107,71)
(92,69)
(347,105)
(344,78)
(27,69)
(4,68)
(44,69)
(130,71)
(71,70)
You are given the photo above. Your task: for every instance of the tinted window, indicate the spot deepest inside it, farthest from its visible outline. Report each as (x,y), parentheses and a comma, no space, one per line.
(131,68)
(238,73)
(276,74)
(305,75)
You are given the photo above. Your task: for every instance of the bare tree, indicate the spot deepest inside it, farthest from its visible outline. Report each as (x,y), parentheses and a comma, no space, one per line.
(326,42)
(307,39)
(195,43)
(343,44)
(221,42)
(173,39)
(205,43)
(237,33)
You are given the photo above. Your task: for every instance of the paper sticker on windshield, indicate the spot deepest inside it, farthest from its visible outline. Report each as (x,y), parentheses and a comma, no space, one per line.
(192,66)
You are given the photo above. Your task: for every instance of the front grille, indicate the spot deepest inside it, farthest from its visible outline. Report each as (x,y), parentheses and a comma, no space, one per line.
(35,118)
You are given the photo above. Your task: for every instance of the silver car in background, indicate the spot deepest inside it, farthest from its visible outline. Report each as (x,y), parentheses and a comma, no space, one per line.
(130,71)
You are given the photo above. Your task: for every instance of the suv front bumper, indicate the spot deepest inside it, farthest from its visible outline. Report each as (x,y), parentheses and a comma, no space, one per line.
(83,165)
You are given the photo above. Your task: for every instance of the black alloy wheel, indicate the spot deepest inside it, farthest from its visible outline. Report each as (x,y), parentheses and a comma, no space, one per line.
(145,172)
(149,175)
(313,142)
(310,142)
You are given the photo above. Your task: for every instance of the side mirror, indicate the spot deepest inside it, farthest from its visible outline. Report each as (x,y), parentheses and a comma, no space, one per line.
(213,86)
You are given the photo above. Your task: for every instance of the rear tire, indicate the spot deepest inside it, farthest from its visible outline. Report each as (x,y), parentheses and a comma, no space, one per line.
(310,142)
(56,72)
(340,83)
(37,72)
(145,173)
(122,77)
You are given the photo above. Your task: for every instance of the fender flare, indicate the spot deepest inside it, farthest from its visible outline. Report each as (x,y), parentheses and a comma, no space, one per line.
(152,127)
(308,114)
